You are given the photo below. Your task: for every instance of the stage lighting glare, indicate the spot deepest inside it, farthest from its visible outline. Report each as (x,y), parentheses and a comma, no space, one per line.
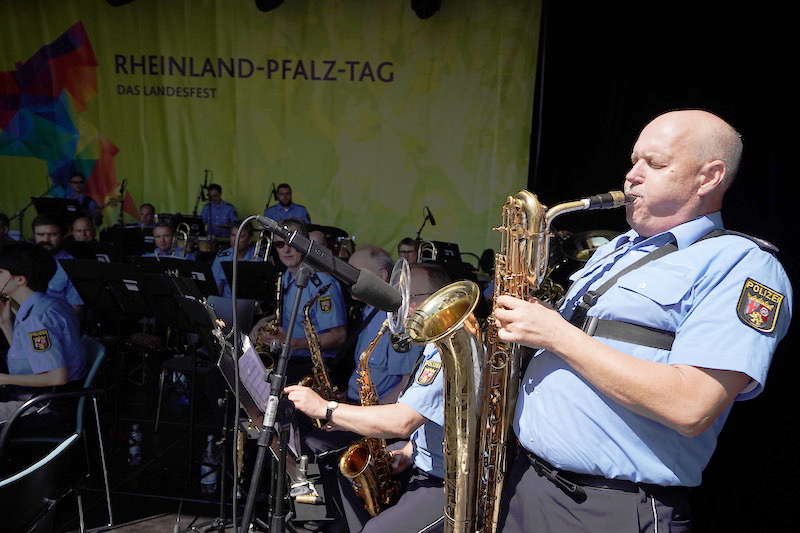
(268,5)
(425,8)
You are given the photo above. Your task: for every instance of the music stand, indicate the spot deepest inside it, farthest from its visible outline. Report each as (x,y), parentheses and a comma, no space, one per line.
(129,240)
(65,210)
(256,280)
(199,272)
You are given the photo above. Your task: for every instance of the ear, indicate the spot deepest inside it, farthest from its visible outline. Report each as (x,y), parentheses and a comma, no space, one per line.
(712,176)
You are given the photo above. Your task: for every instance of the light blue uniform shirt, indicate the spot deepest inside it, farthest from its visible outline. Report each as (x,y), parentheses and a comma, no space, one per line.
(219,218)
(386,366)
(296,211)
(327,312)
(425,395)
(46,337)
(696,292)
(219,272)
(60,285)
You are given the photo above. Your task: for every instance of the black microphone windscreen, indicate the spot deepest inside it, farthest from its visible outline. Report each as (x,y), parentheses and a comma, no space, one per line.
(373,290)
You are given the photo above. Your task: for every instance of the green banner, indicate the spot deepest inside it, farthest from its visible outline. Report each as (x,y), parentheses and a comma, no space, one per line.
(368,111)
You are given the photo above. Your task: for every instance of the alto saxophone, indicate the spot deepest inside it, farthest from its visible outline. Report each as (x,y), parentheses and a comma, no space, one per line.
(481,384)
(319,380)
(265,350)
(367,463)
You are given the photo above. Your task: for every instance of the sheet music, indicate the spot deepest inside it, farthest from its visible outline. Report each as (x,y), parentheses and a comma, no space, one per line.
(252,373)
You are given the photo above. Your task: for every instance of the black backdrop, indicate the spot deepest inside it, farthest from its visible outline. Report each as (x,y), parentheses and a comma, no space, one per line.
(607,71)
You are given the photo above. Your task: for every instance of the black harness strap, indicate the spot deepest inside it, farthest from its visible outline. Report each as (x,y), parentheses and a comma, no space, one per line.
(625,331)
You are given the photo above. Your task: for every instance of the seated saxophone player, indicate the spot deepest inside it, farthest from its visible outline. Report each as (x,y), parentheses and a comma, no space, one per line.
(418,414)
(328,315)
(620,411)
(389,368)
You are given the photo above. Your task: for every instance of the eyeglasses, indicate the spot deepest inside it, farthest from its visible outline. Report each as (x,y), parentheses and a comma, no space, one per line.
(76,182)
(278,244)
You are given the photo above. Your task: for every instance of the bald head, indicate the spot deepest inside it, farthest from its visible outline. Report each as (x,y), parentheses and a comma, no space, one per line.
(682,164)
(375,259)
(705,135)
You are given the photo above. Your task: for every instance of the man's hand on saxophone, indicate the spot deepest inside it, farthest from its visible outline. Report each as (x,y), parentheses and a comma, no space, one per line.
(534,323)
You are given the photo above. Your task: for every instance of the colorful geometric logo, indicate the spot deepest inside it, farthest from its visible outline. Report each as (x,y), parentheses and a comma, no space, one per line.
(41,106)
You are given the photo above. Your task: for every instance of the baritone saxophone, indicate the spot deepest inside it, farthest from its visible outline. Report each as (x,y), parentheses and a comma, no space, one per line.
(482,380)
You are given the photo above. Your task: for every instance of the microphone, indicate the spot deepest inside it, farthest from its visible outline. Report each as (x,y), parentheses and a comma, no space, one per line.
(204,187)
(274,192)
(122,187)
(430,216)
(363,284)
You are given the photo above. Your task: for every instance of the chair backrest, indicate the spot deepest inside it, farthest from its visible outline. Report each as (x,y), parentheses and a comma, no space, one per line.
(33,491)
(95,353)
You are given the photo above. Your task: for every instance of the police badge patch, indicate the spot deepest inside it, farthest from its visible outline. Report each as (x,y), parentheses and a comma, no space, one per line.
(759,306)
(325,304)
(40,340)
(428,373)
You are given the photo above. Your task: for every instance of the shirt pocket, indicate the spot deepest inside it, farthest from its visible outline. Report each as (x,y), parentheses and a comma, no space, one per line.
(665,285)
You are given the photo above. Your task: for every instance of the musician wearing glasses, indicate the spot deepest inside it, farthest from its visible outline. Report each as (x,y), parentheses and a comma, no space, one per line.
(418,415)
(620,411)
(77,186)
(328,314)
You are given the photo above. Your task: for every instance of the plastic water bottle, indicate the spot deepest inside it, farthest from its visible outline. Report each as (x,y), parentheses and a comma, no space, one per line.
(209,468)
(135,446)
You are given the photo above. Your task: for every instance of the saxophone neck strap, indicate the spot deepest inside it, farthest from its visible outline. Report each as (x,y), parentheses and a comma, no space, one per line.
(625,331)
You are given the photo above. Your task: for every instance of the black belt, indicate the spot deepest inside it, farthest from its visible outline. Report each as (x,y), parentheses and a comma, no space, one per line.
(571,482)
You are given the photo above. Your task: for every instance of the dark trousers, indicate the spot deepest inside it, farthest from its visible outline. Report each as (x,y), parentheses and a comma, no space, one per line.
(531,502)
(419,509)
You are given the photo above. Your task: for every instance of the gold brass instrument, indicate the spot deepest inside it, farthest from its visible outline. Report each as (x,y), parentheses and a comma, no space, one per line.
(477,427)
(319,380)
(367,463)
(262,249)
(446,319)
(272,328)
(181,235)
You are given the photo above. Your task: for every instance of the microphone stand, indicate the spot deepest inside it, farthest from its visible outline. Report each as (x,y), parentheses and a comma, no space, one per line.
(419,231)
(277,380)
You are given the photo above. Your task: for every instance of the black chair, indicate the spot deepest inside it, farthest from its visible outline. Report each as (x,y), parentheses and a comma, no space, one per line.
(34,490)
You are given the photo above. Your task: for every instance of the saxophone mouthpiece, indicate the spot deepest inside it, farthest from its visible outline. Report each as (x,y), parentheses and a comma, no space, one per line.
(608,200)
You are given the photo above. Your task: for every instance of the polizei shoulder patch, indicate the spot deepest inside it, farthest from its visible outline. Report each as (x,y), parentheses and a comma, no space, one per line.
(428,373)
(759,306)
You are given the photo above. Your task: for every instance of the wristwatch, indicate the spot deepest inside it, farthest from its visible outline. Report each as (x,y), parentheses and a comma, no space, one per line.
(332,405)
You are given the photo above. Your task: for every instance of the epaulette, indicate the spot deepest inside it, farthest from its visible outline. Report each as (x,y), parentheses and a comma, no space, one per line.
(761,243)
(315,280)
(225,253)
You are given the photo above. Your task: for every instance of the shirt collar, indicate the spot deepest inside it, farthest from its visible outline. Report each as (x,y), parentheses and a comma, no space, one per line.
(684,234)
(27,305)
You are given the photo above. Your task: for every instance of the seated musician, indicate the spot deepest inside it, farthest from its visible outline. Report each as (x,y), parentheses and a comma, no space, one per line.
(48,234)
(285,209)
(418,414)
(147,217)
(245,254)
(82,230)
(408,249)
(5,238)
(328,315)
(164,240)
(45,349)
(218,215)
(76,191)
